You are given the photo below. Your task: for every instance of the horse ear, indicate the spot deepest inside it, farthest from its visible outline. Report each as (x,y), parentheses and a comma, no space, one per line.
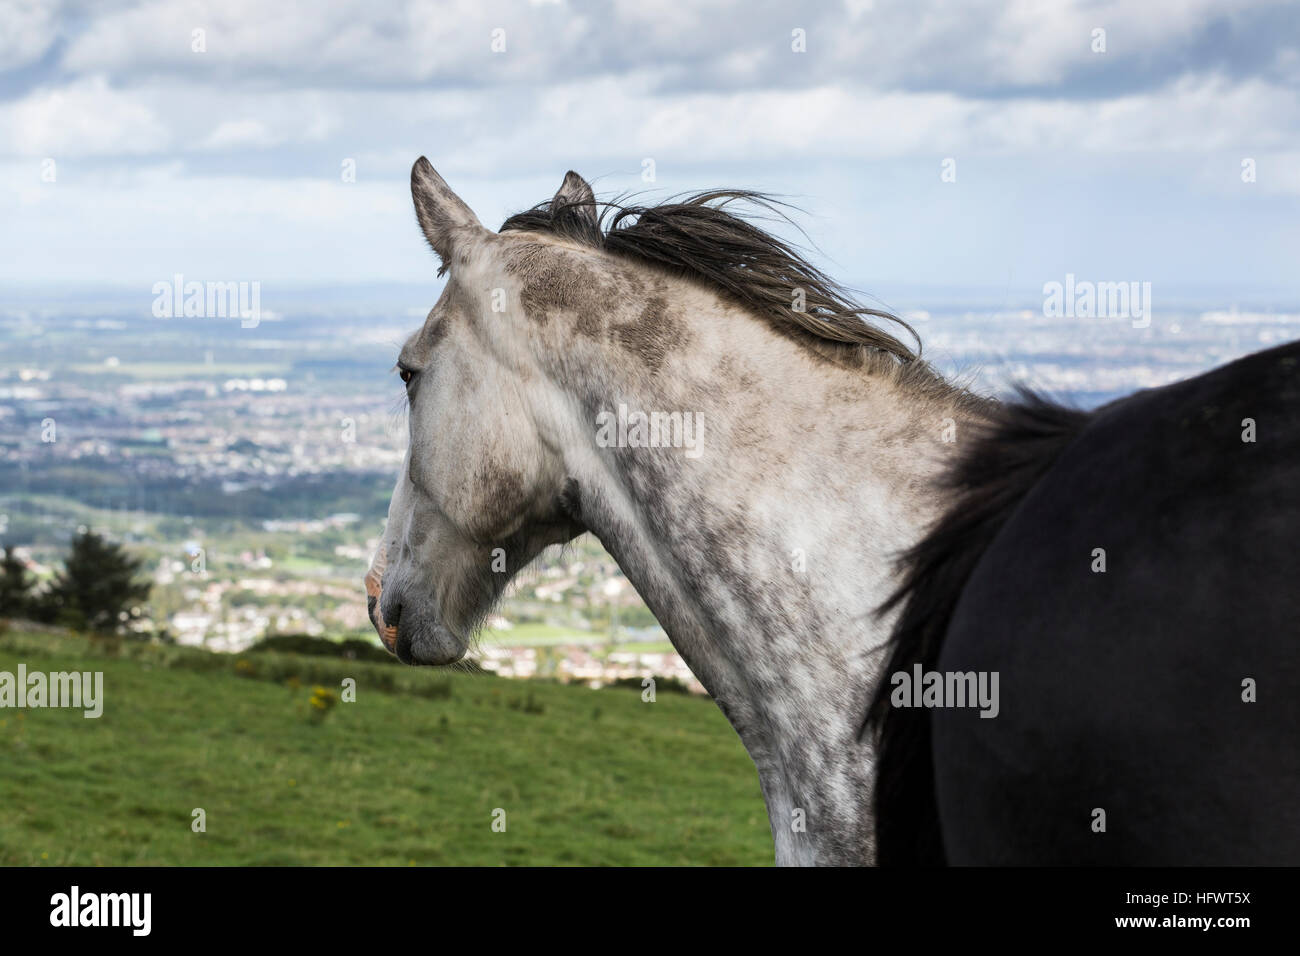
(575,198)
(440,211)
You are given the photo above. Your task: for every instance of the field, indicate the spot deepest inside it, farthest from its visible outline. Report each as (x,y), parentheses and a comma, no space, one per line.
(408,774)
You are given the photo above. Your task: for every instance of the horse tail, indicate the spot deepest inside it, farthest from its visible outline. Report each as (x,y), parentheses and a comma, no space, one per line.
(1011,450)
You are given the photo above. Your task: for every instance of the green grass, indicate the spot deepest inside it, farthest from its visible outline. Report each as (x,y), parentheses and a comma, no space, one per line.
(408,774)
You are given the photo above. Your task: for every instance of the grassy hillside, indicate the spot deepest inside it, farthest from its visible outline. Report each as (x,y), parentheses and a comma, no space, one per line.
(408,774)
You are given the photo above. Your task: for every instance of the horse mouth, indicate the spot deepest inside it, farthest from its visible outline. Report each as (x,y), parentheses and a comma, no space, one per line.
(429,645)
(387,633)
(434,648)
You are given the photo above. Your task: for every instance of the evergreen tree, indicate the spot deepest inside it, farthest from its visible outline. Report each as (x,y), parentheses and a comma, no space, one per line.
(98,585)
(15,586)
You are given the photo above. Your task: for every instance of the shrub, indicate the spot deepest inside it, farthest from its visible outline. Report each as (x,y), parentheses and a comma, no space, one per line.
(668,685)
(352,649)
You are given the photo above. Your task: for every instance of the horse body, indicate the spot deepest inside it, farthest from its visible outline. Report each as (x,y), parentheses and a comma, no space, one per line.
(766,545)
(749,556)
(1162,691)
(764,552)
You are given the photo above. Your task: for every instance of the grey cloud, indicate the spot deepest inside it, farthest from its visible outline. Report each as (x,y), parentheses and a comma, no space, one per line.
(987,48)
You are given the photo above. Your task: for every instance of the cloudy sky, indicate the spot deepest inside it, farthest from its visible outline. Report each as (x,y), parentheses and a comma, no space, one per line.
(221,154)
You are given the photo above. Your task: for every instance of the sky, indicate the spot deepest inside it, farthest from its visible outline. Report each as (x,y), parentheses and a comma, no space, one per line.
(992,145)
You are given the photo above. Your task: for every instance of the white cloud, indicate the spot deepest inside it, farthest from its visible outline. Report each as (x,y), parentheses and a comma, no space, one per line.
(297,40)
(28,28)
(614,123)
(245,132)
(231,157)
(981,45)
(83,118)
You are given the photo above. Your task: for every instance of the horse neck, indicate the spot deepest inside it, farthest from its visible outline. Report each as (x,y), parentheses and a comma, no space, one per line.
(766,557)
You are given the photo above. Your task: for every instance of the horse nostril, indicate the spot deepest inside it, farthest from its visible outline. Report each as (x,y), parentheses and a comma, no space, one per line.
(393,615)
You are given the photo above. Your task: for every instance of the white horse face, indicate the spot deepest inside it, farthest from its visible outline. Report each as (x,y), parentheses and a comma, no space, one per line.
(480,495)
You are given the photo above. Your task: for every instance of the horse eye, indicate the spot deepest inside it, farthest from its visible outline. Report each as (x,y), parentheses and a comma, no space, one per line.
(406,375)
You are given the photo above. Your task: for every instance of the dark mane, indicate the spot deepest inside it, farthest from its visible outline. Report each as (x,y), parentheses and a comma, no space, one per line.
(699,236)
(1015,446)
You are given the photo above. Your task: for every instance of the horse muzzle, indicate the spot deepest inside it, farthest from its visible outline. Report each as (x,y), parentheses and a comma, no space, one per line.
(375,590)
(410,632)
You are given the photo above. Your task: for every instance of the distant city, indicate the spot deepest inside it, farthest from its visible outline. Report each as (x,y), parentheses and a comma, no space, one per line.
(251,467)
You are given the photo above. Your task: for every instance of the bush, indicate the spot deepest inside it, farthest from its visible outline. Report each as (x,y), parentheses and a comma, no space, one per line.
(352,649)
(292,670)
(668,685)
